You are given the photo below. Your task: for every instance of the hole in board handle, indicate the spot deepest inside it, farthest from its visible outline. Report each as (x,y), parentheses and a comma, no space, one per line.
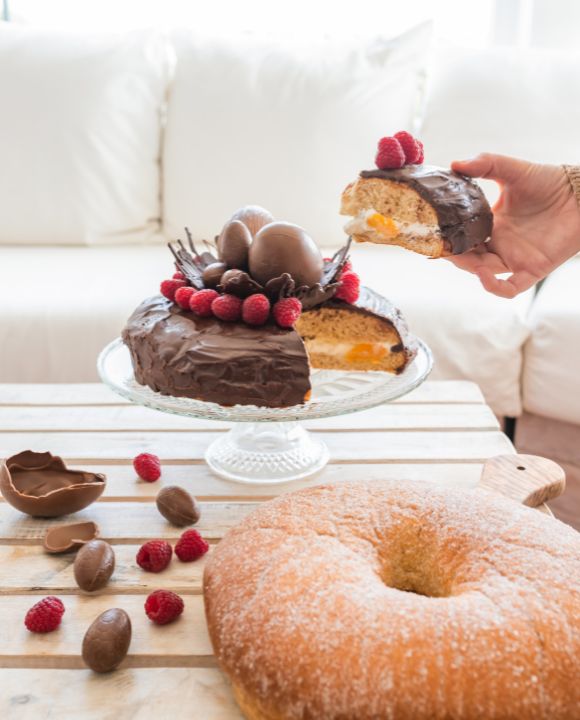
(521,467)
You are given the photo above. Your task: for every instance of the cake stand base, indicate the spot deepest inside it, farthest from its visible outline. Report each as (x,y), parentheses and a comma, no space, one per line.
(266,452)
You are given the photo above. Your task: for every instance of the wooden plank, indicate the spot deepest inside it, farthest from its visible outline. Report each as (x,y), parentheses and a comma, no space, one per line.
(127,523)
(447,391)
(130,694)
(133,418)
(28,569)
(124,486)
(184,643)
(377,446)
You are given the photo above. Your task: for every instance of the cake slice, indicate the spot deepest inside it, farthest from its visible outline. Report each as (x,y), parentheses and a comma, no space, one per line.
(423,208)
(370,334)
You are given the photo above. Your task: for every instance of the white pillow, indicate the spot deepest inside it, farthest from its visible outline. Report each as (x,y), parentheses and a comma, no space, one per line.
(285,127)
(79,136)
(505,100)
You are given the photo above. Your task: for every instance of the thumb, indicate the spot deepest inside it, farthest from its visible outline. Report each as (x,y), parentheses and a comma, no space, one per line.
(501,168)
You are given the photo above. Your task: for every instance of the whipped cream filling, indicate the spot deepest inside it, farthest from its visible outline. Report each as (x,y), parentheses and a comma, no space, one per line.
(360,224)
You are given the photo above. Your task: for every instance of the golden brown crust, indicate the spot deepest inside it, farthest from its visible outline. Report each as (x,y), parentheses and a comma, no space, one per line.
(372,600)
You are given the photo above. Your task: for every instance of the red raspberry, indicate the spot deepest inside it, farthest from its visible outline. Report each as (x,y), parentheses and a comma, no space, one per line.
(347,267)
(45,616)
(201,301)
(191,546)
(227,307)
(178,275)
(349,288)
(421,157)
(183,296)
(410,146)
(154,556)
(169,287)
(390,154)
(163,607)
(287,311)
(256,309)
(147,466)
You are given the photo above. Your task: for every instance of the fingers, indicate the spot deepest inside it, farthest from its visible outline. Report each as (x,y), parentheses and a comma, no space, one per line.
(502,168)
(510,287)
(477,260)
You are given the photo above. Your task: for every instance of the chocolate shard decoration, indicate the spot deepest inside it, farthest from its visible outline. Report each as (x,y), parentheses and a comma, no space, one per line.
(280,287)
(241,285)
(190,262)
(315,295)
(332,269)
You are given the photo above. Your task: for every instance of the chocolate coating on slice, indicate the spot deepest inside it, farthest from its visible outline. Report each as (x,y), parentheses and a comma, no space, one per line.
(464,215)
(176,353)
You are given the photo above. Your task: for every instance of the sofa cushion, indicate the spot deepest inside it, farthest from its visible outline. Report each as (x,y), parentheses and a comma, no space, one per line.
(75,300)
(551,380)
(286,127)
(79,136)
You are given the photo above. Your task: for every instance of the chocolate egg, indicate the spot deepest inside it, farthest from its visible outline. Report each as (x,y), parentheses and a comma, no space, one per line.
(63,538)
(233,244)
(40,484)
(106,642)
(238,282)
(94,565)
(212,274)
(282,247)
(177,506)
(254,217)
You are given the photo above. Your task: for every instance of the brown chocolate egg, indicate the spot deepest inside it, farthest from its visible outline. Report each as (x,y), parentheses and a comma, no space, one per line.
(254,217)
(233,244)
(212,274)
(94,565)
(106,642)
(41,485)
(63,538)
(282,247)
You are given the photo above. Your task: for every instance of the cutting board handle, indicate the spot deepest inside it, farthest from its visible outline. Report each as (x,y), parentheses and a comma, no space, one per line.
(528,479)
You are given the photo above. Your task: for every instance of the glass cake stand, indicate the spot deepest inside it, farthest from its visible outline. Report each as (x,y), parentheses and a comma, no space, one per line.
(269,445)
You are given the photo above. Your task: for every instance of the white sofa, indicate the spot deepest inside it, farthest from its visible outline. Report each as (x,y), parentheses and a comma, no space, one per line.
(140,135)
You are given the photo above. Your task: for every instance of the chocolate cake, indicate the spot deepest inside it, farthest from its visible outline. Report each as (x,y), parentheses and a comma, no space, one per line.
(424,208)
(249,334)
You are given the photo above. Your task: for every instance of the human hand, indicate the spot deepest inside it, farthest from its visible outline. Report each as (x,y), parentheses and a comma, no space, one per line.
(536,223)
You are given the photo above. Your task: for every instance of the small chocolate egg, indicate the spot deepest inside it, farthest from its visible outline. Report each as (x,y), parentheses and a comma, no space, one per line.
(233,244)
(282,247)
(211,276)
(254,217)
(94,565)
(177,506)
(106,642)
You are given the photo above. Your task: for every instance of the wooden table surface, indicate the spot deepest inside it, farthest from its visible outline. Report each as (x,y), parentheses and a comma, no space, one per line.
(442,432)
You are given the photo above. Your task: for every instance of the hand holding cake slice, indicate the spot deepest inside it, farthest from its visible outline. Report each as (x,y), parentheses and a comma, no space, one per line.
(423,208)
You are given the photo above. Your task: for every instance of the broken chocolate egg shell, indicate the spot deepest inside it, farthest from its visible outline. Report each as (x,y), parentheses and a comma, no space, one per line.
(40,484)
(106,642)
(282,247)
(94,565)
(178,506)
(64,538)
(233,244)
(254,217)
(238,282)
(212,274)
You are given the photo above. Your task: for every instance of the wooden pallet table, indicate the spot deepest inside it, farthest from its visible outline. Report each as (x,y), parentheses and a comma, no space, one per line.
(442,433)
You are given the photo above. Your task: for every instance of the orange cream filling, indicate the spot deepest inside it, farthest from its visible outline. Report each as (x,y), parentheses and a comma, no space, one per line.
(382,224)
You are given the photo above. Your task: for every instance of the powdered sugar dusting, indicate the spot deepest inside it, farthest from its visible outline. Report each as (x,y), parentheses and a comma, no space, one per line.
(309,614)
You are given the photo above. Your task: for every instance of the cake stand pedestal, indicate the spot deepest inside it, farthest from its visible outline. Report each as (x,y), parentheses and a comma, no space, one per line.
(269,445)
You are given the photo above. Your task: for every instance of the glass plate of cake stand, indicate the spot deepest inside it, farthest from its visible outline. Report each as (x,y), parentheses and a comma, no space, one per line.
(270,445)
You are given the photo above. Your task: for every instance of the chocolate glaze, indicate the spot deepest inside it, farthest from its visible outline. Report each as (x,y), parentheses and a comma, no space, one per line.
(41,485)
(177,353)
(464,215)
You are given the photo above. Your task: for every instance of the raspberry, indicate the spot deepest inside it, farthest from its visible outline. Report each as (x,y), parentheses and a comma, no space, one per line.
(163,607)
(45,616)
(421,156)
(169,287)
(256,309)
(183,296)
(178,275)
(287,311)
(191,546)
(390,154)
(410,146)
(349,288)
(227,307)
(347,267)
(147,466)
(201,301)
(154,556)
